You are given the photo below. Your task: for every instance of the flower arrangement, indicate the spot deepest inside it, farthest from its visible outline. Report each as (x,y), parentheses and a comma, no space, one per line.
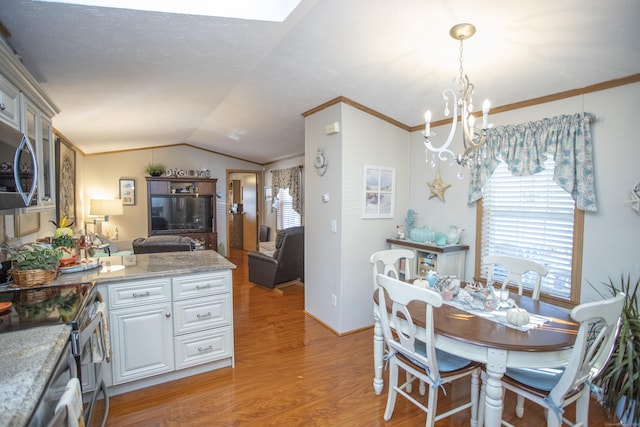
(63,236)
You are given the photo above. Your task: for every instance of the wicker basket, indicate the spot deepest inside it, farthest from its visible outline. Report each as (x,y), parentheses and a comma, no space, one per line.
(32,278)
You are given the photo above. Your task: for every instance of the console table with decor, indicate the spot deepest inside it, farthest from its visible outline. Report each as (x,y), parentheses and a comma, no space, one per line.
(446,260)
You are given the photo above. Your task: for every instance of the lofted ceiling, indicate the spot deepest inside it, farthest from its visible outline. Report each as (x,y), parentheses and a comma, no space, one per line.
(126,79)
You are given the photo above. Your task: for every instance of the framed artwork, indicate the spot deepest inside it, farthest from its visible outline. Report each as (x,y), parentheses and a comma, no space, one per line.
(26,224)
(268,194)
(128,191)
(378,194)
(65,180)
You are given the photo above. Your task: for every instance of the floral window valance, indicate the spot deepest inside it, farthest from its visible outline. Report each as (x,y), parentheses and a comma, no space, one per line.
(524,148)
(289,178)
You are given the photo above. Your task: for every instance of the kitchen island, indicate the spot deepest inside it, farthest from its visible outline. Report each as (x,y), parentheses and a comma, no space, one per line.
(170,316)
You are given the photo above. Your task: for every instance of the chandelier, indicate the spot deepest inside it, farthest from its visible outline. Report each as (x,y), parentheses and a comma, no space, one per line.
(463,107)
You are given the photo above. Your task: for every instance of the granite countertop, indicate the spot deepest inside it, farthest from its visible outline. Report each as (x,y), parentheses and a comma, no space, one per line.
(28,359)
(142,266)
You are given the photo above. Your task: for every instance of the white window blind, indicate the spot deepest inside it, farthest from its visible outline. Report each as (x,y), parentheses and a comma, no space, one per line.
(530,217)
(285,216)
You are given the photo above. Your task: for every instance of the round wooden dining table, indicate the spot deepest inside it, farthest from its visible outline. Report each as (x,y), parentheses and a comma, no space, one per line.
(495,345)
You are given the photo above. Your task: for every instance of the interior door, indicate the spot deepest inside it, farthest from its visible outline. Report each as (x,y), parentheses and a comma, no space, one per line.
(250,206)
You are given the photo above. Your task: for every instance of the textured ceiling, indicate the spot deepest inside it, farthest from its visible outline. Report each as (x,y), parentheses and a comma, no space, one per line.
(127,79)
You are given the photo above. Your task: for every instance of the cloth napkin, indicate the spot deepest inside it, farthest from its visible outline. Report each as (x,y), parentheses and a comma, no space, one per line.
(72,400)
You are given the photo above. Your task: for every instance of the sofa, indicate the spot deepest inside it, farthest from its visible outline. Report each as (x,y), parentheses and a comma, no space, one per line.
(286,263)
(156,244)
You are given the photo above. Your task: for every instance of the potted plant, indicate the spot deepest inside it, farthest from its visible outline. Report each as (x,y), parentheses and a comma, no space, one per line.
(63,239)
(619,379)
(154,170)
(34,264)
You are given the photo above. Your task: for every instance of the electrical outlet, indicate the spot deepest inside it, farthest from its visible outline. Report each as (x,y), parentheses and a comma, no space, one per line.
(334,300)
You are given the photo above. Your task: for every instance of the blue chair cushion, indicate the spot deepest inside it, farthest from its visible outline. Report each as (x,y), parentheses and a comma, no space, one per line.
(542,379)
(447,362)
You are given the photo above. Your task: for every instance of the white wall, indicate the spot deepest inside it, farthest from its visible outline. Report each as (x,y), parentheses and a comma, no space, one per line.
(338,263)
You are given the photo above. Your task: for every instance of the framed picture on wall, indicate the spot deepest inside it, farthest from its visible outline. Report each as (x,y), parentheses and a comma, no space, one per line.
(65,180)
(378,193)
(128,191)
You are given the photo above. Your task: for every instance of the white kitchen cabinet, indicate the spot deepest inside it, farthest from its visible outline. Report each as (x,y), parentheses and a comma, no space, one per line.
(25,106)
(446,260)
(169,325)
(9,103)
(37,127)
(142,342)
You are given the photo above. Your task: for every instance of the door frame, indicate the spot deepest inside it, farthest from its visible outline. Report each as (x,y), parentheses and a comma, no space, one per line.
(259,202)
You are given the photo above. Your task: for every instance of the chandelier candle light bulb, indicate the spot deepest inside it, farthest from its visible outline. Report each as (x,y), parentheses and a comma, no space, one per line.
(486,105)
(427,124)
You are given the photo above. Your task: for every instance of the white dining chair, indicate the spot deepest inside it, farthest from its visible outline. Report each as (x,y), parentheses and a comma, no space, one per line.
(516,269)
(555,388)
(418,356)
(391,262)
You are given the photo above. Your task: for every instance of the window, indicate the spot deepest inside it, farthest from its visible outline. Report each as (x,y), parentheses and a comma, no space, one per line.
(285,215)
(532,217)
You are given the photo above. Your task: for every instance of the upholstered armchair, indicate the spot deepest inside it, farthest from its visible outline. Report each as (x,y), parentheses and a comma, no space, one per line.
(286,264)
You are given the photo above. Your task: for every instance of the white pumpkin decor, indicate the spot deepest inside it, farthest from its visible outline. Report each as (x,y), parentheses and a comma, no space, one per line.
(517,316)
(421,283)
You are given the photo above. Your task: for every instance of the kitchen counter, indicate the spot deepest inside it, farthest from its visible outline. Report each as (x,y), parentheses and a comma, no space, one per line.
(143,266)
(28,359)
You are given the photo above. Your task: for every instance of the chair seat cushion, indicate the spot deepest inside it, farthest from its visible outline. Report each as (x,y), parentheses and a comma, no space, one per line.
(541,379)
(447,362)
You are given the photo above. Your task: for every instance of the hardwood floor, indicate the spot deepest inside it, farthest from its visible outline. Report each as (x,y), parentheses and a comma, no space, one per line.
(290,371)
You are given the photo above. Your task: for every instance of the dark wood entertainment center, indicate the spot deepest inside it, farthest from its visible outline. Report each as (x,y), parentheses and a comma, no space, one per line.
(170,195)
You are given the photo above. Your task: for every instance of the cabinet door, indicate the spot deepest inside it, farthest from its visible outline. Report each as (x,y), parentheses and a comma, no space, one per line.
(206,188)
(159,187)
(9,103)
(142,342)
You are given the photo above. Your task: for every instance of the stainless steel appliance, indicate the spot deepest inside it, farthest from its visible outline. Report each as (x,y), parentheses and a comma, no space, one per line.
(75,305)
(18,169)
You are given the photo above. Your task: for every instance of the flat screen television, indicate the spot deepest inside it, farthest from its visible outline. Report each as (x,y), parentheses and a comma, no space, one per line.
(172,214)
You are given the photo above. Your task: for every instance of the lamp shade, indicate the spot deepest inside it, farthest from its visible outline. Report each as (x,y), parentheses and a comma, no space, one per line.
(105,207)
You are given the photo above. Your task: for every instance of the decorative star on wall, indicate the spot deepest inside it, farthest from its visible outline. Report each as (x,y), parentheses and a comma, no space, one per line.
(438,186)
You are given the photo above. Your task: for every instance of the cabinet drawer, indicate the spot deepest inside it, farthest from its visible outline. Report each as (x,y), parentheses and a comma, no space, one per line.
(195,285)
(201,313)
(139,292)
(206,346)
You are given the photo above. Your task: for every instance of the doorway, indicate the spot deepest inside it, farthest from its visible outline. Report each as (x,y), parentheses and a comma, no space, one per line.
(243,211)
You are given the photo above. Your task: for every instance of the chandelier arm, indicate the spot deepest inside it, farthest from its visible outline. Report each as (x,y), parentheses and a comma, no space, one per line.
(444,148)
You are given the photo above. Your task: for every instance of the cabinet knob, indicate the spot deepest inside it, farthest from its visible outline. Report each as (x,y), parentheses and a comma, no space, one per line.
(167,315)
